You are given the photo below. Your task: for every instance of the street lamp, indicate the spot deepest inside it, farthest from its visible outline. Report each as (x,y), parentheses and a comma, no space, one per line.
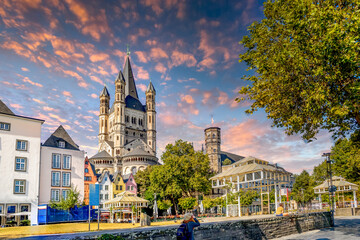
(331,187)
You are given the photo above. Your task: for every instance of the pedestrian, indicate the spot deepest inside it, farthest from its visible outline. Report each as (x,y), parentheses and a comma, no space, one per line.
(186,229)
(280,210)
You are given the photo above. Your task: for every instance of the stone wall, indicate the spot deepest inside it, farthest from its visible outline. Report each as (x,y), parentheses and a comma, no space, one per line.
(265,228)
(347,211)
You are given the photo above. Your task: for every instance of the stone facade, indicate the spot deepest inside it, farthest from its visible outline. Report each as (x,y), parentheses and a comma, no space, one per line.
(213,147)
(127,129)
(265,228)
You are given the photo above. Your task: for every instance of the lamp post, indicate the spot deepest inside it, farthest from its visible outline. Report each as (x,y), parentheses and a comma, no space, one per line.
(330,184)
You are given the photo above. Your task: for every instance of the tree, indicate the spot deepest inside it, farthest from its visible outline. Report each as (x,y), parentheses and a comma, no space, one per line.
(305,54)
(226,162)
(248,197)
(164,204)
(303,191)
(187,203)
(71,201)
(320,173)
(208,203)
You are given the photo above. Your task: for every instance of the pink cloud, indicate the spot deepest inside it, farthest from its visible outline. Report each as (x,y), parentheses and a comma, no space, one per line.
(223,98)
(160,68)
(141,73)
(57,117)
(96,113)
(16,106)
(24,69)
(67,94)
(93,95)
(48,109)
(141,56)
(142,87)
(27,80)
(188,99)
(99,57)
(38,101)
(179,58)
(70,101)
(151,42)
(158,53)
(96,79)
(81,81)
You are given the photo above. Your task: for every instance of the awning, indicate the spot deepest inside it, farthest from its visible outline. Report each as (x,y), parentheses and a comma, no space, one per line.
(20,214)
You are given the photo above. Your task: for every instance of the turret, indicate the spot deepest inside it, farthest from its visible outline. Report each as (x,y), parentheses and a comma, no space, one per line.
(119,109)
(212,147)
(104,115)
(151,116)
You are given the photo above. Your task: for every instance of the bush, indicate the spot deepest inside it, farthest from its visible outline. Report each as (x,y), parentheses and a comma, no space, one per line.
(25,222)
(110,237)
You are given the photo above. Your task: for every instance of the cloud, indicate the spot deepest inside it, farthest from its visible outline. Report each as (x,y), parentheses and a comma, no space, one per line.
(38,101)
(142,73)
(24,69)
(67,94)
(93,95)
(16,106)
(188,99)
(44,61)
(151,42)
(160,68)
(179,58)
(27,80)
(99,57)
(142,87)
(141,56)
(70,101)
(96,79)
(62,120)
(96,113)
(81,81)
(158,53)
(48,109)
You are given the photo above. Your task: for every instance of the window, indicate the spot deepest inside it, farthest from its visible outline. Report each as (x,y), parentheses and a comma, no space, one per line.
(56,160)
(106,196)
(120,188)
(128,188)
(101,187)
(61,144)
(5,126)
(55,195)
(11,209)
(105,179)
(55,179)
(117,187)
(101,197)
(87,178)
(86,170)
(1,208)
(65,194)
(106,187)
(132,188)
(21,145)
(20,164)
(19,186)
(66,179)
(66,162)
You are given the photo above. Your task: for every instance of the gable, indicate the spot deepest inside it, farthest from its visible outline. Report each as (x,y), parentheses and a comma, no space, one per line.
(138,143)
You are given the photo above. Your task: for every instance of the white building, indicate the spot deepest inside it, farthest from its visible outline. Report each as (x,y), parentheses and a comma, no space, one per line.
(19,166)
(105,185)
(62,166)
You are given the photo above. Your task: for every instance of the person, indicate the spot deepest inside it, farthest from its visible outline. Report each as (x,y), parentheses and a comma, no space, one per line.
(191,223)
(280,210)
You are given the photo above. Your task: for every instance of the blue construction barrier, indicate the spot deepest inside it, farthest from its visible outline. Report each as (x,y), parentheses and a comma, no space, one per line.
(47,215)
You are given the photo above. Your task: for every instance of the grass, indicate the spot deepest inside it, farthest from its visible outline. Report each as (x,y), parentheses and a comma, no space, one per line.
(26,231)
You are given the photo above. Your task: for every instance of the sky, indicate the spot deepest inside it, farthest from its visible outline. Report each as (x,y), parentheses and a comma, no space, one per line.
(56,56)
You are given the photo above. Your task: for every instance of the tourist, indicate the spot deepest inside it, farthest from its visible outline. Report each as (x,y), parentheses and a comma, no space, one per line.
(280,210)
(186,229)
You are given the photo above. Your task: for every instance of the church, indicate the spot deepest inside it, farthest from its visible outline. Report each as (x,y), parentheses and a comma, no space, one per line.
(127,129)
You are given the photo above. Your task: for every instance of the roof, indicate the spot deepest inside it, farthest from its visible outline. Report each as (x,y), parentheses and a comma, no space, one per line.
(150,87)
(5,109)
(111,143)
(126,197)
(130,88)
(105,92)
(138,152)
(60,134)
(232,157)
(101,155)
(102,175)
(338,182)
(134,103)
(126,177)
(120,77)
(93,168)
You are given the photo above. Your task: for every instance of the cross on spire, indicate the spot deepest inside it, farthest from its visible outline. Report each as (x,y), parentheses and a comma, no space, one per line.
(127,49)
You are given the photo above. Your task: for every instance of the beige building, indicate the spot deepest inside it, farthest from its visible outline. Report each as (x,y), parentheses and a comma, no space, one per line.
(127,129)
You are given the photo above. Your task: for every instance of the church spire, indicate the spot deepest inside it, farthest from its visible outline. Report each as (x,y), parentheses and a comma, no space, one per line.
(130,88)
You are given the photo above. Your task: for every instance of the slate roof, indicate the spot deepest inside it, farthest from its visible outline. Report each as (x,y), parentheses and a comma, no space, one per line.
(5,109)
(93,168)
(101,155)
(103,174)
(111,143)
(126,177)
(138,152)
(120,77)
(105,92)
(232,157)
(134,103)
(150,87)
(130,88)
(60,134)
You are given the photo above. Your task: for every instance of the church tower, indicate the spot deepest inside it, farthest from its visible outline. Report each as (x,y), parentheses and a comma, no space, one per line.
(151,116)
(104,115)
(119,111)
(212,147)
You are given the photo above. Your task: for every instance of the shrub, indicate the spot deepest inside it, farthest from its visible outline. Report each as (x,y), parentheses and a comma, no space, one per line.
(25,222)
(110,237)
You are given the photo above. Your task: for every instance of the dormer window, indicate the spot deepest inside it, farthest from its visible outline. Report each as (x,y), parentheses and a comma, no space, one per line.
(61,144)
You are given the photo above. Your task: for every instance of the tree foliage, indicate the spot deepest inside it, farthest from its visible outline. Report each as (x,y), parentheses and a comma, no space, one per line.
(187,203)
(71,201)
(164,204)
(226,162)
(305,54)
(185,173)
(303,191)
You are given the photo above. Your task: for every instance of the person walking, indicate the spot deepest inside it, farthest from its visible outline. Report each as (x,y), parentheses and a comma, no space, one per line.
(186,229)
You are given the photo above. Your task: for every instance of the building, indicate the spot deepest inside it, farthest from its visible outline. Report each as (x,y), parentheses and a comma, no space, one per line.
(89,178)
(62,167)
(130,183)
(127,129)
(118,185)
(19,166)
(105,186)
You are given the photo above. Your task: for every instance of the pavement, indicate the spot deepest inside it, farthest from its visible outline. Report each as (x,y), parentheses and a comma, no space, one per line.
(347,228)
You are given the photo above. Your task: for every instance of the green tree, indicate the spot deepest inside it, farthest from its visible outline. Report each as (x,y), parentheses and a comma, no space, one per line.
(164,204)
(320,173)
(71,201)
(208,203)
(305,55)
(303,191)
(187,203)
(248,197)
(226,162)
